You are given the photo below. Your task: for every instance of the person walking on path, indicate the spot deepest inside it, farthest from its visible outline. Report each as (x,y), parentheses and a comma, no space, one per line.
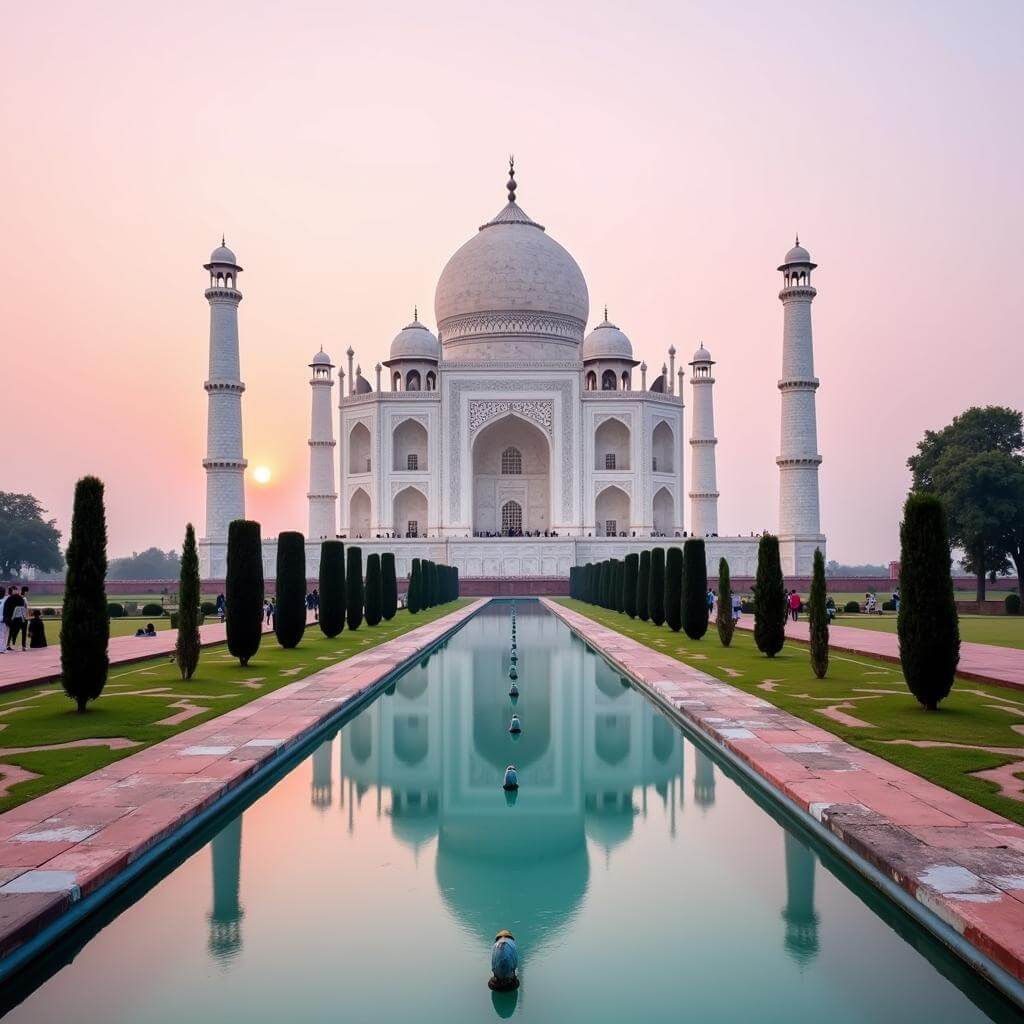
(36,630)
(16,615)
(3,617)
(794,605)
(222,606)
(737,607)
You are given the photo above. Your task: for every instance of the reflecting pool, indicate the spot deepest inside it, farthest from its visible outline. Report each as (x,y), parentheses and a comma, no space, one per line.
(642,882)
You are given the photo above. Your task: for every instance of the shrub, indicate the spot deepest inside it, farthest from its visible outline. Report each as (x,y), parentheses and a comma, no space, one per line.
(724,620)
(695,589)
(674,588)
(456,583)
(852,607)
(620,576)
(630,569)
(656,591)
(817,615)
(888,606)
(770,606)
(85,628)
(389,586)
(187,645)
(599,597)
(354,587)
(747,605)
(208,607)
(643,587)
(243,589)
(49,613)
(412,596)
(374,590)
(332,587)
(927,623)
(115,610)
(1012,604)
(290,617)
(152,610)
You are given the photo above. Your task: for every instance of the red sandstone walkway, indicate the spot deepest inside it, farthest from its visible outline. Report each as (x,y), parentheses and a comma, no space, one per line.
(985,663)
(64,845)
(961,861)
(27,668)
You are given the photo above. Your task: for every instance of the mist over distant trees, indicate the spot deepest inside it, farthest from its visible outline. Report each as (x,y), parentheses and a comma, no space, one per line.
(151,564)
(834,568)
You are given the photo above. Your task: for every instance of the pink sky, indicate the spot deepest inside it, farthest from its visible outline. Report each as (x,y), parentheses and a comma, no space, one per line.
(347,150)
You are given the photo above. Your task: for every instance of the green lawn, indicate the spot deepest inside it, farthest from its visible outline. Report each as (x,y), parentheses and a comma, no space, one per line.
(139,696)
(973,719)
(1000,630)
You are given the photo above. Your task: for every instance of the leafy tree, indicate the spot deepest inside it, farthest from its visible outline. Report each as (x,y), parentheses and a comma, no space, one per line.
(656,591)
(927,624)
(244,589)
(975,465)
(413,601)
(332,587)
(674,589)
(290,617)
(631,569)
(187,646)
(26,538)
(151,564)
(389,586)
(724,621)
(770,607)
(85,626)
(695,589)
(354,587)
(643,586)
(374,590)
(817,616)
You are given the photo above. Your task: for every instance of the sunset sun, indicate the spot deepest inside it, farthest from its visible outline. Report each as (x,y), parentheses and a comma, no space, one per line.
(261,474)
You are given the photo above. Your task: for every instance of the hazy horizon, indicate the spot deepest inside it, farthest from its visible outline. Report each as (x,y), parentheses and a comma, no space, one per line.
(347,151)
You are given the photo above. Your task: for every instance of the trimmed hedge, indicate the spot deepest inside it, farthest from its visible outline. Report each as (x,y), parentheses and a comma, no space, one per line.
(208,607)
(770,605)
(656,590)
(244,589)
(674,589)
(412,595)
(1012,604)
(852,607)
(888,606)
(115,610)
(643,587)
(290,617)
(152,611)
(389,586)
(374,590)
(332,587)
(630,571)
(354,587)
(695,588)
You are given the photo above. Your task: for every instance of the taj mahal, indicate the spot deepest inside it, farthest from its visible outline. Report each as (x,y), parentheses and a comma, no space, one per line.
(513,442)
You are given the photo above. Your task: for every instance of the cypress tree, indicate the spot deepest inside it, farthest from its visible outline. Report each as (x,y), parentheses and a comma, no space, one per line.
(770,606)
(629,573)
(927,623)
(457,592)
(187,646)
(656,591)
(290,617)
(332,587)
(599,584)
(617,583)
(389,586)
(609,584)
(643,586)
(243,589)
(354,587)
(674,588)
(574,581)
(695,588)
(818,617)
(724,620)
(374,590)
(85,625)
(412,595)
(591,591)
(429,594)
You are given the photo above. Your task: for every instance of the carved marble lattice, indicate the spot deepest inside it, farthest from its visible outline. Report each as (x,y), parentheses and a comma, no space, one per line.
(539,411)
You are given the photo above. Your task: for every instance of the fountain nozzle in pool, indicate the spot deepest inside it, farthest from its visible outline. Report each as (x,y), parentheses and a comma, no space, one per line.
(513,673)
(504,963)
(513,691)
(511,778)
(515,726)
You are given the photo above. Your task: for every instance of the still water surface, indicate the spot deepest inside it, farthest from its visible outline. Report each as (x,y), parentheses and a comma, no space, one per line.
(641,882)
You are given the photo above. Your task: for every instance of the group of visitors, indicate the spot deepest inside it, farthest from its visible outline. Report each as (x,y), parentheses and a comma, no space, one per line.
(736,609)
(18,623)
(149,630)
(313,603)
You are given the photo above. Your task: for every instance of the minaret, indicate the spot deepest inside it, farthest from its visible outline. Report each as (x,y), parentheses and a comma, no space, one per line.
(704,496)
(224,465)
(798,461)
(801,919)
(321,791)
(323,498)
(226,914)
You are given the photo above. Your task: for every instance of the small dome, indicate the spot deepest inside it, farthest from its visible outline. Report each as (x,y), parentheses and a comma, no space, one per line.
(702,355)
(606,341)
(321,359)
(414,341)
(659,384)
(798,254)
(222,254)
(362,385)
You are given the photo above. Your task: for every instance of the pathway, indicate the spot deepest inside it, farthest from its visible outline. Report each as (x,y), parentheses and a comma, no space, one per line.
(65,845)
(984,663)
(959,860)
(19,669)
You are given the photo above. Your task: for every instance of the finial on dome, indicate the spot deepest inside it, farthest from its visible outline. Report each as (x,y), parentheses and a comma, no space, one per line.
(511,186)
(415,314)
(798,238)
(222,236)
(606,312)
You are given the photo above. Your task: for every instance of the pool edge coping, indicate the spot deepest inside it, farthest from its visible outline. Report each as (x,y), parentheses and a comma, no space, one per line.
(1011,986)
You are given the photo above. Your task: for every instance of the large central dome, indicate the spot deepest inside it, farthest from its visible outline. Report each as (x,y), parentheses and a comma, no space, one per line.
(511,292)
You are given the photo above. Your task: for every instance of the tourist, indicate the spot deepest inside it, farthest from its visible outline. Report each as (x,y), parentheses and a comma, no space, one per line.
(222,606)
(150,630)
(268,610)
(16,617)
(3,620)
(316,604)
(896,600)
(711,602)
(870,603)
(36,630)
(794,605)
(737,608)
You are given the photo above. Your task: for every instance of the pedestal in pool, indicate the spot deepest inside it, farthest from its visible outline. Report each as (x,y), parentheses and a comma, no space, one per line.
(642,883)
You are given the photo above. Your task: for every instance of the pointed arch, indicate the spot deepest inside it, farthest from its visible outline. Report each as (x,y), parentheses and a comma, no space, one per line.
(612,512)
(410,509)
(409,446)
(612,443)
(359,514)
(359,449)
(664,512)
(663,448)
